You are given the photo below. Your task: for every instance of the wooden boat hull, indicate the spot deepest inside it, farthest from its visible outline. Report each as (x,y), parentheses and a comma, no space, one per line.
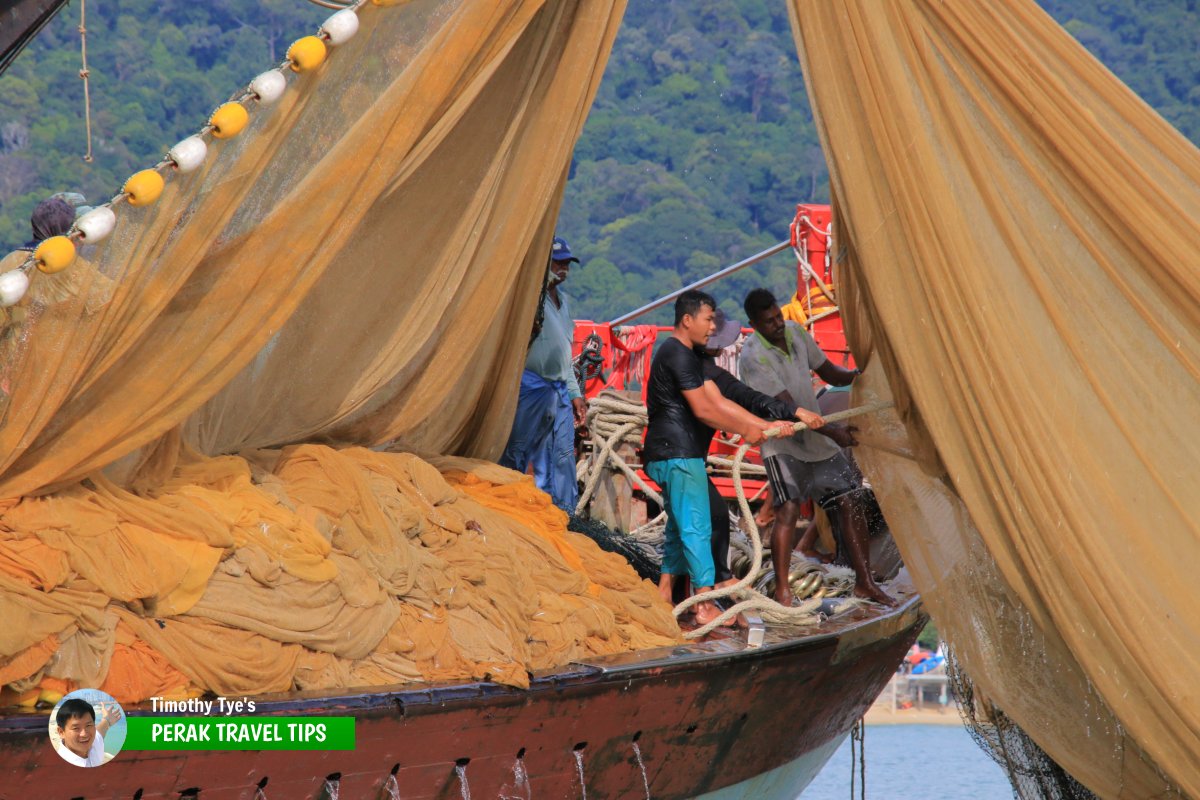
(713,717)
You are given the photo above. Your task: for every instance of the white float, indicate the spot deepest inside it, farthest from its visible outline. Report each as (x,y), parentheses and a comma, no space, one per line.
(12,287)
(269,86)
(96,224)
(188,154)
(340,27)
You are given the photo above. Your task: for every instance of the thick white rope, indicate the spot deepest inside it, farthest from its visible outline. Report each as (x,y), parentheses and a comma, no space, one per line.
(613,420)
(756,601)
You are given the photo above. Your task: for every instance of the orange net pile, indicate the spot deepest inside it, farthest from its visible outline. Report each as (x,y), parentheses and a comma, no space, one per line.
(306,568)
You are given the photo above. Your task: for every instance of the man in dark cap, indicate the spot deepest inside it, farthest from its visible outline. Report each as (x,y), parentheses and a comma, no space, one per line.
(551,404)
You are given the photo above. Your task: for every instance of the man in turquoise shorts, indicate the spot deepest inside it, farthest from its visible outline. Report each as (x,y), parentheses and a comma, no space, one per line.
(680,406)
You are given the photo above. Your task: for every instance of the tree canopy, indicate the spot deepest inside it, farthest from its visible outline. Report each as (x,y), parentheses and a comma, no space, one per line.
(699,146)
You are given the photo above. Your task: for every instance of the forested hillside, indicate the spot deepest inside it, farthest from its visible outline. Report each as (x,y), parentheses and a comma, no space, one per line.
(697,150)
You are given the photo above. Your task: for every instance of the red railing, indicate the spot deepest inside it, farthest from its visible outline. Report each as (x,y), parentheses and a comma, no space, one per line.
(626,350)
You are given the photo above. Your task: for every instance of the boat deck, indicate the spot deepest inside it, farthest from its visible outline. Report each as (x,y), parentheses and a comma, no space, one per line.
(695,718)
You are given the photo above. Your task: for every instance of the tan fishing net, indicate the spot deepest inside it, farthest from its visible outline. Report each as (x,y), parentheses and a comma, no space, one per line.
(1019,237)
(307,568)
(359,266)
(1018,251)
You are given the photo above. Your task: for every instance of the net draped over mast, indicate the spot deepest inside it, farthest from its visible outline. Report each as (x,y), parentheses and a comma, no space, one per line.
(1017,237)
(349,270)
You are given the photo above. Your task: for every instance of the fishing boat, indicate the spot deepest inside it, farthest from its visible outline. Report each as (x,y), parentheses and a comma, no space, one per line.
(714,719)
(753,712)
(984,167)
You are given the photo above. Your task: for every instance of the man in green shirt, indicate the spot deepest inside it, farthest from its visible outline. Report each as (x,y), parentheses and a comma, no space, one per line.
(779,360)
(551,405)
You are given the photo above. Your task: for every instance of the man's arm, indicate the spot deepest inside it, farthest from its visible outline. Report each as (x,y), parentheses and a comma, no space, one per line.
(722,415)
(834,375)
(753,401)
(810,419)
(842,435)
(110,717)
(574,390)
(739,411)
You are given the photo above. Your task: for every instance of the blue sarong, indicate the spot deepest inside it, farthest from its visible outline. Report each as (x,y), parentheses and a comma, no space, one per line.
(543,434)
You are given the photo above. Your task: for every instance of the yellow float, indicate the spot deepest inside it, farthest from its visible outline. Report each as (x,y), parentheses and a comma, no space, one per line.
(143,188)
(228,120)
(54,254)
(306,54)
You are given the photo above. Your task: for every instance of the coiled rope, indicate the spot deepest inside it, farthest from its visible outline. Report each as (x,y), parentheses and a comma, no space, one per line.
(771,611)
(614,420)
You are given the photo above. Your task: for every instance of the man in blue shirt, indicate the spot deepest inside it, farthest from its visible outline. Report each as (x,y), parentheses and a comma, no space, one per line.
(551,404)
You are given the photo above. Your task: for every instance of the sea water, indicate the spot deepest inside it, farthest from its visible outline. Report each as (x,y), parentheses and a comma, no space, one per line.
(910,761)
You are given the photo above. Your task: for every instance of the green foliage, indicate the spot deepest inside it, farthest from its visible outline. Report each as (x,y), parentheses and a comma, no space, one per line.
(158,69)
(699,146)
(928,637)
(701,141)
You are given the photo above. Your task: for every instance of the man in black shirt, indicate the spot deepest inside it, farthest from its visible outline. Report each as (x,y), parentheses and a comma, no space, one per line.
(681,411)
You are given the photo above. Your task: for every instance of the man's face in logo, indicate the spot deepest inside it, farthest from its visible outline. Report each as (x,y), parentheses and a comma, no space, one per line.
(78,734)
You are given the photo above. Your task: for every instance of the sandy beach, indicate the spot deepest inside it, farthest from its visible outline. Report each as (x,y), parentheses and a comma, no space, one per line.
(882,715)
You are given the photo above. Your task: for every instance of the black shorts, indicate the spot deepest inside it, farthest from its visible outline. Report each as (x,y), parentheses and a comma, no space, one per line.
(823,481)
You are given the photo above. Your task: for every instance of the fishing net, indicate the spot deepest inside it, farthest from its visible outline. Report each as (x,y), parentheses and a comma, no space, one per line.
(646,565)
(1032,773)
(1015,246)
(357,268)
(307,568)
(359,265)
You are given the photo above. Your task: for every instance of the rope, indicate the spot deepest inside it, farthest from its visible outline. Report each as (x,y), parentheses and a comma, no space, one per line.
(771,610)
(858,734)
(539,316)
(589,363)
(811,273)
(84,73)
(611,421)
(726,465)
(818,317)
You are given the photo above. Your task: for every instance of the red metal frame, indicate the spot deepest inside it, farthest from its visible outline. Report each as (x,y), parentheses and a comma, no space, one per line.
(811,238)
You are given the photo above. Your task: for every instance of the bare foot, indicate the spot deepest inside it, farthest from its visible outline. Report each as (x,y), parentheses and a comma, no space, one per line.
(666,585)
(783,595)
(824,558)
(724,584)
(871,591)
(707,612)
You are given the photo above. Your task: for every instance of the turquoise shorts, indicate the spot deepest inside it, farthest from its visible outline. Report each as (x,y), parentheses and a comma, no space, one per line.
(687,546)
